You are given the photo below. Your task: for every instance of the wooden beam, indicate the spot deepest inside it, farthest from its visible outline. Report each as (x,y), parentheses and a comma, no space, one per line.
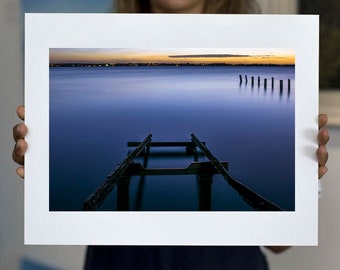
(164,144)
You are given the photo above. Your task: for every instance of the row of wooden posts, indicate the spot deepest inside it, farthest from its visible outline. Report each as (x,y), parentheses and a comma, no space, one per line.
(264,82)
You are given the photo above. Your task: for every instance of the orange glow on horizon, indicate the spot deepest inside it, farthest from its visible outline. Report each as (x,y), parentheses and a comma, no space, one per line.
(96,56)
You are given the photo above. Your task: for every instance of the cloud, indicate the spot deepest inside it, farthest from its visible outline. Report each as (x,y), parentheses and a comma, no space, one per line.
(208,55)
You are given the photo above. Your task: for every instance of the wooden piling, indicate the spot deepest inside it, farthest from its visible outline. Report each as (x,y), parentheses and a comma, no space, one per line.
(272,83)
(246,77)
(252,81)
(281,85)
(258,81)
(265,83)
(205,182)
(240,79)
(123,192)
(288,84)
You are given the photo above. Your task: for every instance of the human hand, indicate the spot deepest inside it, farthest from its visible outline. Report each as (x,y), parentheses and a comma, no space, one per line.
(322,156)
(19,133)
(323,138)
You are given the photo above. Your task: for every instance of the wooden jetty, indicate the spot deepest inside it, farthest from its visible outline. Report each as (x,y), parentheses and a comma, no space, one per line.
(204,170)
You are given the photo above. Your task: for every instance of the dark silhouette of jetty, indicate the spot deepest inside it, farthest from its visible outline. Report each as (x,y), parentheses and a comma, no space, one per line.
(204,170)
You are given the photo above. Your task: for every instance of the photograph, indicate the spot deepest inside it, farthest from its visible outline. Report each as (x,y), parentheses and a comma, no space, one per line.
(171,129)
(181,124)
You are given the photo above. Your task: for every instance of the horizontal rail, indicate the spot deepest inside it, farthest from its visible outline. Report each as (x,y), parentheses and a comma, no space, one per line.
(164,144)
(250,196)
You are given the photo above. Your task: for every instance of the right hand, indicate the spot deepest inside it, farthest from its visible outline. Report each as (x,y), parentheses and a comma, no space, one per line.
(19,133)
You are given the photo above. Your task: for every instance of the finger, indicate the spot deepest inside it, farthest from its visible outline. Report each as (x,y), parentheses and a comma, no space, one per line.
(21,112)
(323,136)
(21,172)
(322,171)
(19,131)
(323,118)
(322,155)
(19,151)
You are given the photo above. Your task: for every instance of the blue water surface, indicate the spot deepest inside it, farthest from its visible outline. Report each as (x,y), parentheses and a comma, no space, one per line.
(95,111)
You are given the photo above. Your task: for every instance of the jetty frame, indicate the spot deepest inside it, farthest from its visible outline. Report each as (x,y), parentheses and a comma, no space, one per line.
(205,170)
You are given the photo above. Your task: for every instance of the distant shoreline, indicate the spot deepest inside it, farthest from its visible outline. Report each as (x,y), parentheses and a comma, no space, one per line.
(155,65)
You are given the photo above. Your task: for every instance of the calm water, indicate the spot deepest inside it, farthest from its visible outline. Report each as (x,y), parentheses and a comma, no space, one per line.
(94,112)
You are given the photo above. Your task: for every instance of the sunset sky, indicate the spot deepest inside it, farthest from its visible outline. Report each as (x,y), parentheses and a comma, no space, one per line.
(177,56)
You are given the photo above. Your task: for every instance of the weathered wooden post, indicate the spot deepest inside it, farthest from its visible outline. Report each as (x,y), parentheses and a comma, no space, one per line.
(205,179)
(240,79)
(272,82)
(190,149)
(265,84)
(281,85)
(123,198)
(246,77)
(252,81)
(258,81)
(288,84)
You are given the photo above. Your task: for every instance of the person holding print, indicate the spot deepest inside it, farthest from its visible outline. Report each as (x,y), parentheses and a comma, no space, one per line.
(176,257)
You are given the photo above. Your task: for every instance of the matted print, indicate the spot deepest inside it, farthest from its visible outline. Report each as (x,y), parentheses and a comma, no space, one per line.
(171,129)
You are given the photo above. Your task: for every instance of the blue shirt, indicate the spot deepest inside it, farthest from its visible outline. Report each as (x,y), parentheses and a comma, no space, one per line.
(174,258)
